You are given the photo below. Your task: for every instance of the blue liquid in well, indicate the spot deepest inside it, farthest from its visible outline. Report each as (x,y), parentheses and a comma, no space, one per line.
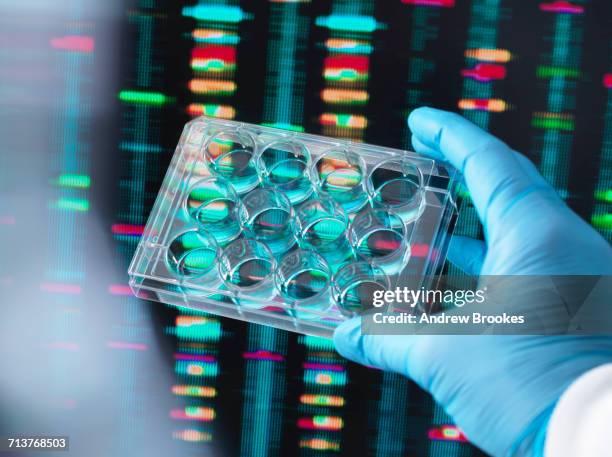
(190,255)
(380,243)
(253,275)
(325,233)
(274,227)
(288,172)
(305,285)
(250,273)
(342,181)
(218,215)
(358,297)
(397,191)
(327,236)
(344,186)
(384,248)
(239,168)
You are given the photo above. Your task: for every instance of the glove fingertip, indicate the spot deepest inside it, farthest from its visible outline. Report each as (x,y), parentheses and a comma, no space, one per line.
(426,113)
(422,148)
(347,340)
(417,115)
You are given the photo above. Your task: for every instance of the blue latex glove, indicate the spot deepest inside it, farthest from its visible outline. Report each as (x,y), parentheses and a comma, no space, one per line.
(500,389)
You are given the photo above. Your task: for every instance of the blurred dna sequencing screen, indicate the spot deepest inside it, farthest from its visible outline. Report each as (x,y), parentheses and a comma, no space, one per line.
(93,97)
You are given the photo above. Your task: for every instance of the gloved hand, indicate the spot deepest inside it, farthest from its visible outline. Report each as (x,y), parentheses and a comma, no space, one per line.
(499,389)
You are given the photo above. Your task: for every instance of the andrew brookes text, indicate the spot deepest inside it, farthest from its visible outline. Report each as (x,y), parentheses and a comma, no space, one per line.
(443,318)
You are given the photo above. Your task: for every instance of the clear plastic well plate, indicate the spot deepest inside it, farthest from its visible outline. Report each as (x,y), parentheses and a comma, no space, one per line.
(288,229)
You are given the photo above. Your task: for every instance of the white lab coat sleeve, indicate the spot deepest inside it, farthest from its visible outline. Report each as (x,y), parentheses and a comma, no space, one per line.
(580,422)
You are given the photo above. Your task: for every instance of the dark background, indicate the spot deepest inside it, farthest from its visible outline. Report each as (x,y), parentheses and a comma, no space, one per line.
(80,167)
